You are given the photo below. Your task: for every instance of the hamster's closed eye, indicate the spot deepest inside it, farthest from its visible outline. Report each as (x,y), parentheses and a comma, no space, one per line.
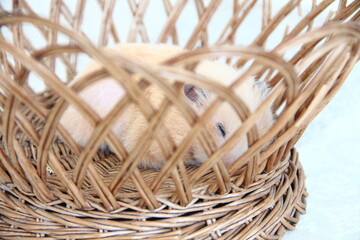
(221,129)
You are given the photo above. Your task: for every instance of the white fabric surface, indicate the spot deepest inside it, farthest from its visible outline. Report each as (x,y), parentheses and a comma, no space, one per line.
(330,154)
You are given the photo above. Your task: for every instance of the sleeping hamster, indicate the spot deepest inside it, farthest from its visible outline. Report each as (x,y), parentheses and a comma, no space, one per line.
(102,96)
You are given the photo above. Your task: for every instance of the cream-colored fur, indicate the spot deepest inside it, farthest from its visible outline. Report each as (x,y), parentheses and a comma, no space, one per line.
(129,128)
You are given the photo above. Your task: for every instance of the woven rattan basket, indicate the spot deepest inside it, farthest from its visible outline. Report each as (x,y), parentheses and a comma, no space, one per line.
(54,189)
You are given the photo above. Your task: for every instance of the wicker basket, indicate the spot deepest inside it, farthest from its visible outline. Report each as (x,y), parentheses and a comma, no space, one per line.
(56,190)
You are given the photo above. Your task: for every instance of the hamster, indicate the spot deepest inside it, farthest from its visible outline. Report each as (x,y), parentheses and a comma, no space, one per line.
(102,96)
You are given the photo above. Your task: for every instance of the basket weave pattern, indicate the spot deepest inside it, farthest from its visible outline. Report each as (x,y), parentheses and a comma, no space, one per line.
(56,190)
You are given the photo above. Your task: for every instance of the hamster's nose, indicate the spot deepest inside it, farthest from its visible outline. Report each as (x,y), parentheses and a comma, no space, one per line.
(228,159)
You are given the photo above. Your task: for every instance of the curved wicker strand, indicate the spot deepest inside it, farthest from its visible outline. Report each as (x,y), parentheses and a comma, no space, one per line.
(170,23)
(239,15)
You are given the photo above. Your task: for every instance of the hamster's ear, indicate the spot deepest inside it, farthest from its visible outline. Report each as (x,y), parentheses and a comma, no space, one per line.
(195,94)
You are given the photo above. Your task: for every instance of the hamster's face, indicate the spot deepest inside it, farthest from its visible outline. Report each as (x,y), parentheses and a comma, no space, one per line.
(221,127)
(223,124)
(225,121)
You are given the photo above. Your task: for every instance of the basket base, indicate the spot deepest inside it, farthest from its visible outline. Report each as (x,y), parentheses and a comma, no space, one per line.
(271,206)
